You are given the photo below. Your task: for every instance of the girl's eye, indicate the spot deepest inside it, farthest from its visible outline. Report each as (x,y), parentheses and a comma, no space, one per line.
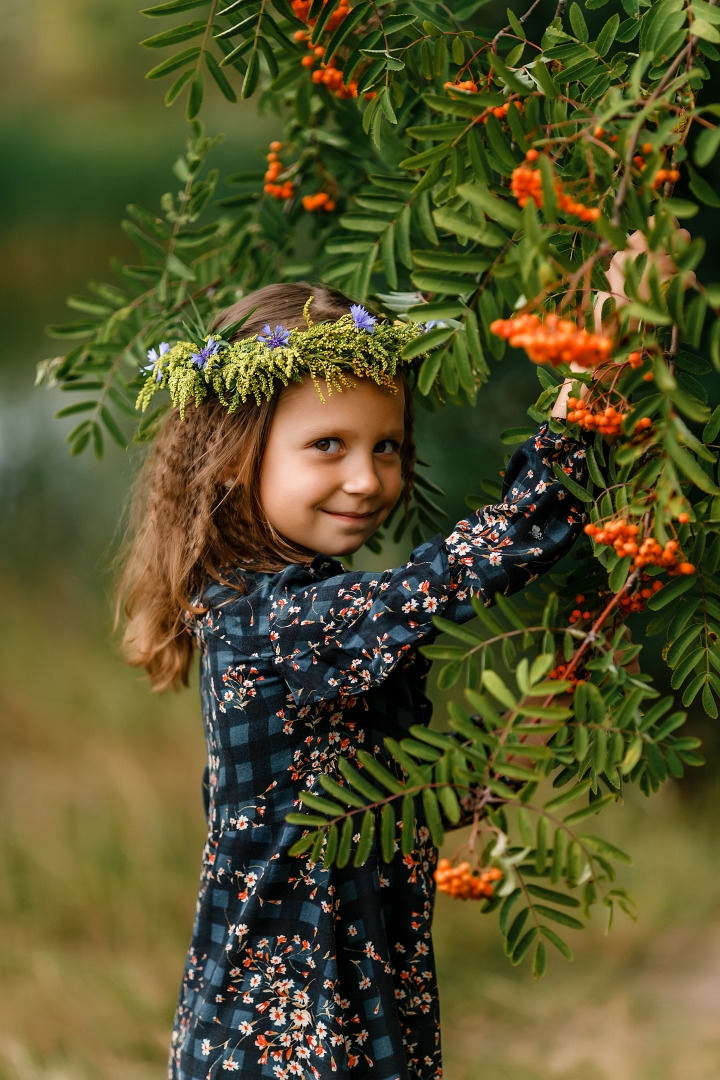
(327,446)
(387,446)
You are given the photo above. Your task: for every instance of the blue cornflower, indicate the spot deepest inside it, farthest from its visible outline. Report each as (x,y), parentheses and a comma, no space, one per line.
(205,353)
(362,319)
(154,356)
(281,336)
(430,323)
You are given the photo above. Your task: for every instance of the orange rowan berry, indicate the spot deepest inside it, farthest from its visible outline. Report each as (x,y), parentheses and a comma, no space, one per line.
(683,518)
(526,184)
(554,340)
(461,883)
(647,148)
(599,131)
(635,360)
(619,534)
(648,376)
(276,146)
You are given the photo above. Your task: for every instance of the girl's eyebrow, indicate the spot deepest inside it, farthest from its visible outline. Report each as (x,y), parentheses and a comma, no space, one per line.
(326,431)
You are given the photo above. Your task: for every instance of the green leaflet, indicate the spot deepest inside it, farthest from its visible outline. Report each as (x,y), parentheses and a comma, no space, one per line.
(498,210)
(367,835)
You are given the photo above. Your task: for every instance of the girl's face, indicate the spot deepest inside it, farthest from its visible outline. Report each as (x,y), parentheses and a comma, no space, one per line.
(331,472)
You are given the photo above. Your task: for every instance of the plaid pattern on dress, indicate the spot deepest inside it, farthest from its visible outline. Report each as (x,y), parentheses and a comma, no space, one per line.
(294,970)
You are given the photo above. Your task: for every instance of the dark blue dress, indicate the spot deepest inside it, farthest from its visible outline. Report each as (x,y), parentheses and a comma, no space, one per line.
(294,970)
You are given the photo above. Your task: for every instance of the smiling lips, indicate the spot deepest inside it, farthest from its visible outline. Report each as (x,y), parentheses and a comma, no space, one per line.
(347,516)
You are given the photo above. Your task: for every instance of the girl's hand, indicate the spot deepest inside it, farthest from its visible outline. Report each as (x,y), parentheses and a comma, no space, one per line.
(636,246)
(662,260)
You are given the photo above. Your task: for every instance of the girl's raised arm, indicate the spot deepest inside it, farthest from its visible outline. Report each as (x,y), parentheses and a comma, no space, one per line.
(337,633)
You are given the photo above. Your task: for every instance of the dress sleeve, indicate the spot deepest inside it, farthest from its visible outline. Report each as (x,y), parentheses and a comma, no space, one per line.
(344,634)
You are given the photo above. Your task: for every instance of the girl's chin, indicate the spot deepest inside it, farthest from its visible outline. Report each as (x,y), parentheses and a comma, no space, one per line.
(346,549)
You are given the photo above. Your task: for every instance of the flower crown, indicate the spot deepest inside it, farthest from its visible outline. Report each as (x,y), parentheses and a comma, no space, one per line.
(355,344)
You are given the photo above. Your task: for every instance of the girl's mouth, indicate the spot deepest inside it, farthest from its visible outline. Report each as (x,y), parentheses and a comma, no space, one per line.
(347,516)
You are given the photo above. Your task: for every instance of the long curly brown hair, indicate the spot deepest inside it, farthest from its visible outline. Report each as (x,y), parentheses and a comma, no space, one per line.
(187,524)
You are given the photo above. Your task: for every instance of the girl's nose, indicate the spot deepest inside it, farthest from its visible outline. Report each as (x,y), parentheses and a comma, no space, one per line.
(361,477)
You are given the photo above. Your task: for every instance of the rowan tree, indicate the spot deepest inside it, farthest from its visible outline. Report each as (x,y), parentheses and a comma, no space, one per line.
(479,171)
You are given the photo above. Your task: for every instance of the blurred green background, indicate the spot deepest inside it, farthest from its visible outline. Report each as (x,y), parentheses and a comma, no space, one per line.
(100,804)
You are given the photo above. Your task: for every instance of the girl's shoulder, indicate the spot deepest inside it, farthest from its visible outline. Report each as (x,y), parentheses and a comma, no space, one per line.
(239,590)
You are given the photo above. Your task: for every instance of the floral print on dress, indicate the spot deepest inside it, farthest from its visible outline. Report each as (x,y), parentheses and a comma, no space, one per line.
(295,970)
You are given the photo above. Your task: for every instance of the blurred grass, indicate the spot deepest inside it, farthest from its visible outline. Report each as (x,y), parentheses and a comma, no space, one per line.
(103,827)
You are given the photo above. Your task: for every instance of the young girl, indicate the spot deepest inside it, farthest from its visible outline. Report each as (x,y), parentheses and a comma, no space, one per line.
(244,507)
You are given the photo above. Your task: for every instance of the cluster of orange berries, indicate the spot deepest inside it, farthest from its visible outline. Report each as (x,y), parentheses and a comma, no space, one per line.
(498,111)
(462,883)
(665,176)
(560,670)
(623,536)
(599,133)
(319,201)
(554,341)
(468,84)
(634,602)
(278,191)
(607,421)
(327,74)
(526,183)
(662,176)
(302,10)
